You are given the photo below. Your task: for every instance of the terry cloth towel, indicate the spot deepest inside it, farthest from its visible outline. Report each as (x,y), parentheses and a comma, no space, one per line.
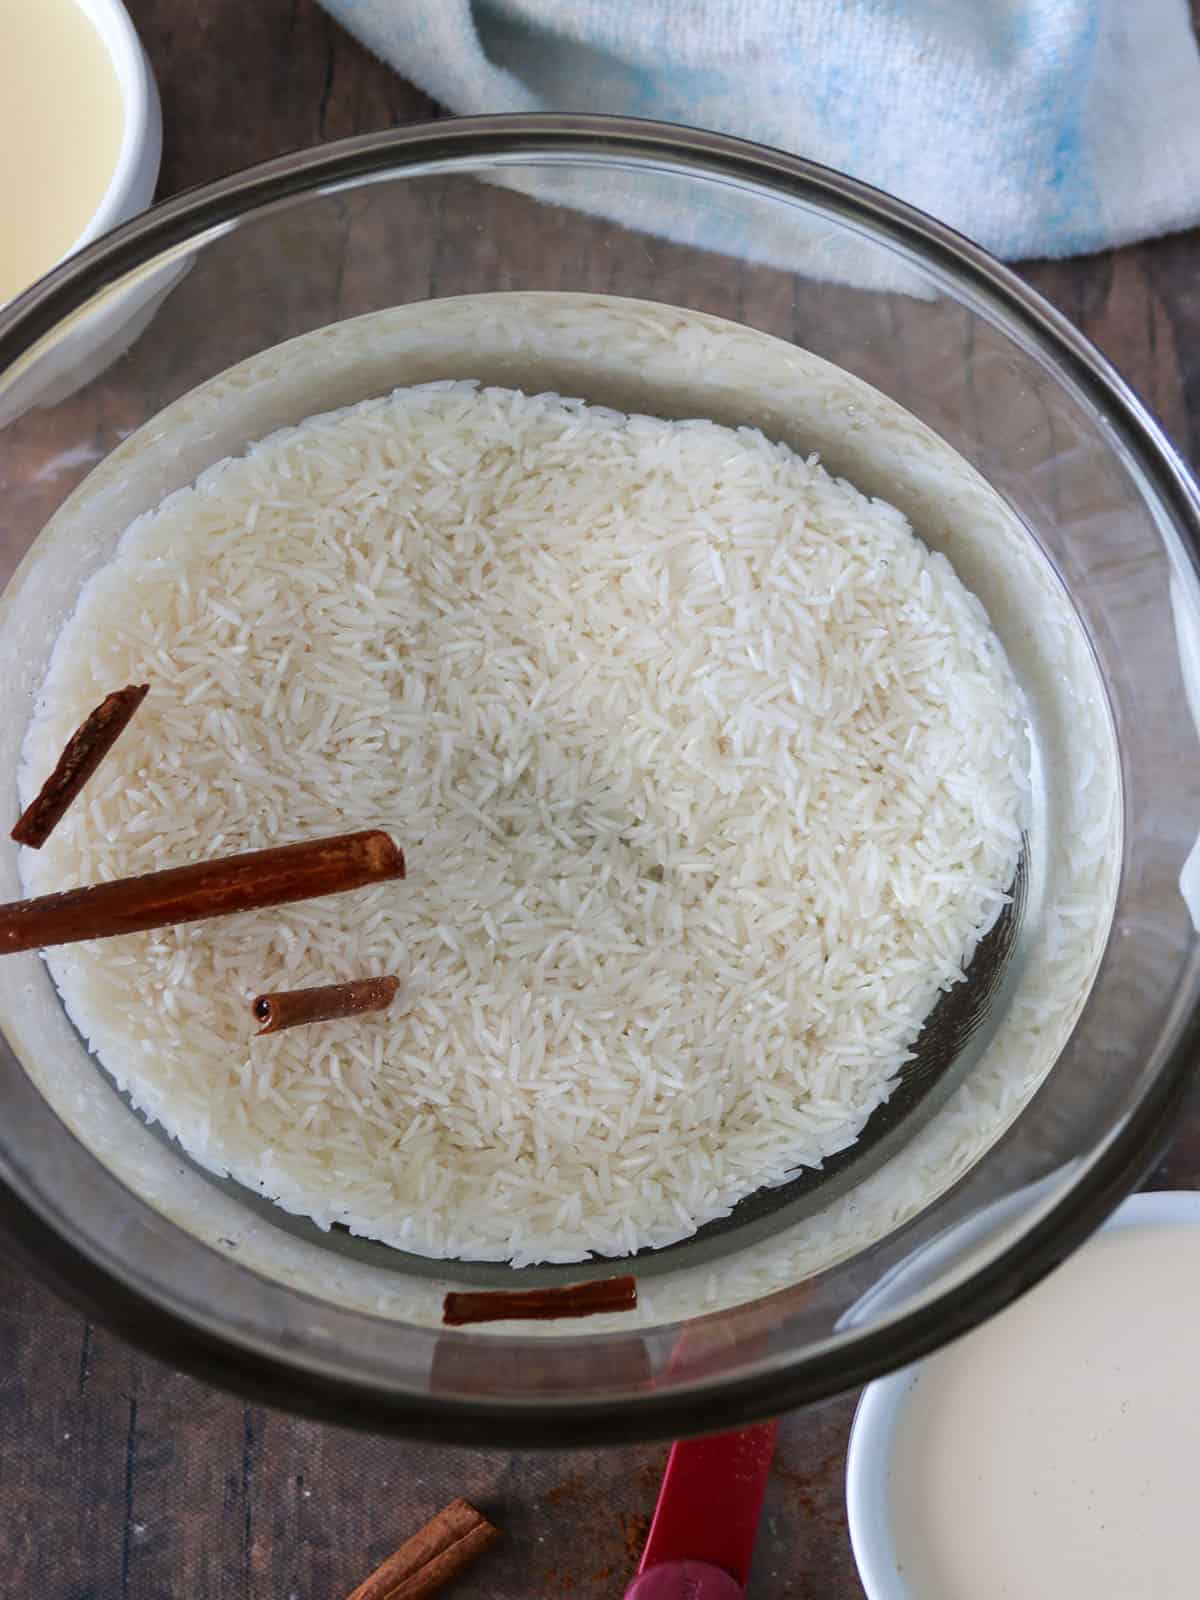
(1036,127)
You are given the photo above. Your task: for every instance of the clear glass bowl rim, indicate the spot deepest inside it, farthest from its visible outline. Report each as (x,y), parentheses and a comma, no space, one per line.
(1100,1181)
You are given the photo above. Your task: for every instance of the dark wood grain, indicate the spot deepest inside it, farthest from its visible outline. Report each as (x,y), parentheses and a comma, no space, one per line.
(125,1481)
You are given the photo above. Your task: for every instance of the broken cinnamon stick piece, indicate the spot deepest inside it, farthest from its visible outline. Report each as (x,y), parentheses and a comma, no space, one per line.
(442,1549)
(274,877)
(539,1305)
(289,1008)
(85,750)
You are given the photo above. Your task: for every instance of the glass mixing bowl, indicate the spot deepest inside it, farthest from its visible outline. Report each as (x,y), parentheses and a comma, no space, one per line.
(1086,562)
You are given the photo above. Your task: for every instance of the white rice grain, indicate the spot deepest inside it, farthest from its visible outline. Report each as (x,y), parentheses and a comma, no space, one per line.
(710,776)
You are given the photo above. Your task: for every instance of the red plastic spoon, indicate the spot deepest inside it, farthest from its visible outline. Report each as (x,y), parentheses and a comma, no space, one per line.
(702,1538)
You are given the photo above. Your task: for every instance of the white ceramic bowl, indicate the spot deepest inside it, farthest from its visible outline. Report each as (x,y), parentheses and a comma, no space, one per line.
(131,187)
(76,356)
(873,1436)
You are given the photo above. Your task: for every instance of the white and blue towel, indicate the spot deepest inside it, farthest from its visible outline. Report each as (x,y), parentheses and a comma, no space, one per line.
(1037,127)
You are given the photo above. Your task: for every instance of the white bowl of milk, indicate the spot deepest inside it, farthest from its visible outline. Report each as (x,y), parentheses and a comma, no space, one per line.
(80,131)
(1051,1451)
(80,143)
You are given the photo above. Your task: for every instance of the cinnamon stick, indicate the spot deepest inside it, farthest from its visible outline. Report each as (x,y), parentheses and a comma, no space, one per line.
(274,877)
(442,1549)
(290,1008)
(539,1305)
(85,750)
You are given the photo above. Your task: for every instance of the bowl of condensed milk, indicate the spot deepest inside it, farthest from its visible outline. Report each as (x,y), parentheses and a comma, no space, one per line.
(80,131)
(1052,1450)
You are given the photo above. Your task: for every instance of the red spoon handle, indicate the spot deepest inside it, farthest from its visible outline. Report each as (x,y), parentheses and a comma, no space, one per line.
(710,1501)
(685,1580)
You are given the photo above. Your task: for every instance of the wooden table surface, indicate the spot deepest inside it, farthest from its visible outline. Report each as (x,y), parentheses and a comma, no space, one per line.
(123,1480)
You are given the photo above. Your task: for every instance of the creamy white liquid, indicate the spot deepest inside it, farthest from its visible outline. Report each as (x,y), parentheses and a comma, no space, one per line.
(61,123)
(1053,1452)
